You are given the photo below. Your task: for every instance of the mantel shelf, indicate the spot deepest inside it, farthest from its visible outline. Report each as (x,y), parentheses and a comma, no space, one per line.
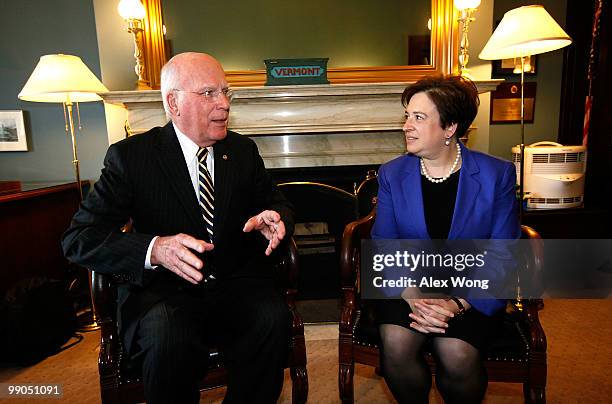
(291,109)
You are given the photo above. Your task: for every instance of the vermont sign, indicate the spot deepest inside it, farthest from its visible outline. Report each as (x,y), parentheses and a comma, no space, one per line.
(281,72)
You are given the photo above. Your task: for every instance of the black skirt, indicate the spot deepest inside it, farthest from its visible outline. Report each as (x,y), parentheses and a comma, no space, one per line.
(473,327)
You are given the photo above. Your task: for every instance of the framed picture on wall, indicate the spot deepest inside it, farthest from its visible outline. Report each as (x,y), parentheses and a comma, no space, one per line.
(511,67)
(506,103)
(12,131)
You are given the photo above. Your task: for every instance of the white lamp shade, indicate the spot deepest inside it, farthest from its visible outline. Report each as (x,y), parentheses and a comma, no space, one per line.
(131,9)
(523,31)
(62,78)
(465,4)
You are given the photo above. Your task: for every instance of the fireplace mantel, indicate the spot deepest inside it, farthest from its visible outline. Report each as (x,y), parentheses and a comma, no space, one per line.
(368,116)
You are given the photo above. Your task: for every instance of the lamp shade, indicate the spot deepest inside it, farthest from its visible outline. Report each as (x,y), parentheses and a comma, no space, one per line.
(523,31)
(466,4)
(62,78)
(131,9)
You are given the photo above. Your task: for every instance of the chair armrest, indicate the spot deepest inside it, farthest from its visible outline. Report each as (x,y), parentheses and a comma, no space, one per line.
(530,307)
(104,304)
(537,337)
(104,291)
(350,253)
(285,264)
(104,297)
(287,272)
(350,249)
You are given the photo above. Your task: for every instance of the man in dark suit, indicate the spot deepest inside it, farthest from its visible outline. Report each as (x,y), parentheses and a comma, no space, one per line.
(195,193)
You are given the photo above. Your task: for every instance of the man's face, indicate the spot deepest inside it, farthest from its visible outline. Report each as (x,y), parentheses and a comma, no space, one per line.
(202,107)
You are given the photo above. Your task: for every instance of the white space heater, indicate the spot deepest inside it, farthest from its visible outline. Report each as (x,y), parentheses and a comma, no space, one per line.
(554,175)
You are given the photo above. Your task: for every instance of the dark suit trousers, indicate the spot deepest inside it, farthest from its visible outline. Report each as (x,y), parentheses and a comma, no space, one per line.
(246,317)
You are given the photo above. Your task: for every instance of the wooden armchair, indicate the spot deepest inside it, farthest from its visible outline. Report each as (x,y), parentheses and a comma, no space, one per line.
(366,192)
(122,384)
(518,356)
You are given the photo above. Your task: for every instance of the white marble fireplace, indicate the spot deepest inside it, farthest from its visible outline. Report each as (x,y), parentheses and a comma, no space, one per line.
(295,126)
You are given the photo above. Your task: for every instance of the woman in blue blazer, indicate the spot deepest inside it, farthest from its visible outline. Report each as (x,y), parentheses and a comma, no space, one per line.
(441,190)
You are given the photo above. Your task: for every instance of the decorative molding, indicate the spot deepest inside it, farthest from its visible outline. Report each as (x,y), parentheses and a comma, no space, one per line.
(291,109)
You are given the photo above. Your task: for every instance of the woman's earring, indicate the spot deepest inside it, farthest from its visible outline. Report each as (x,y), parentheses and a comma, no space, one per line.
(447,141)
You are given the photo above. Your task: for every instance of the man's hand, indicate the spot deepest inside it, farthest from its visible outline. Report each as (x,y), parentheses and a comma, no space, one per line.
(269,224)
(174,253)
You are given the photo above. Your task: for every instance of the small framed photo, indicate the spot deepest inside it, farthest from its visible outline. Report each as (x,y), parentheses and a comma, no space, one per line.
(12,131)
(506,103)
(511,67)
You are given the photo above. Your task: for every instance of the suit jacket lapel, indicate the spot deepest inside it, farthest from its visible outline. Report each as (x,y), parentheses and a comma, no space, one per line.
(469,187)
(172,161)
(413,197)
(223,179)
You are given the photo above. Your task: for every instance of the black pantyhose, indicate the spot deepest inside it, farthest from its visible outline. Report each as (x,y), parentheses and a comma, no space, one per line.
(460,377)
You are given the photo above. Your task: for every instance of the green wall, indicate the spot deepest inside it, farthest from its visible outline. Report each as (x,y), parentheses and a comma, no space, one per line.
(349,32)
(34,28)
(545,125)
(30,29)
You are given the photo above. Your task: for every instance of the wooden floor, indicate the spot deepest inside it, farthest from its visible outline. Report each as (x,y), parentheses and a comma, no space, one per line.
(579,364)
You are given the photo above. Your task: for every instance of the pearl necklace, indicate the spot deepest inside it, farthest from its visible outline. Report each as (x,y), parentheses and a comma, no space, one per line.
(439,180)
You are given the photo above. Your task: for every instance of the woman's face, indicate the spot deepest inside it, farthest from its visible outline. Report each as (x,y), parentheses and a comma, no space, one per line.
(424,135)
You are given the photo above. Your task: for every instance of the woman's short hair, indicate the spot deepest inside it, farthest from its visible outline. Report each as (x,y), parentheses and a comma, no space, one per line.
(455,97)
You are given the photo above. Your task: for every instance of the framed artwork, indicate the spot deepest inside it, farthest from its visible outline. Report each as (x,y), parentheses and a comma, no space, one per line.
(511,67)
(506,103)
(12,131)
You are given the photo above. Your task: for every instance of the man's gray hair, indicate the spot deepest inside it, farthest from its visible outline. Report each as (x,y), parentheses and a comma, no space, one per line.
(169,81)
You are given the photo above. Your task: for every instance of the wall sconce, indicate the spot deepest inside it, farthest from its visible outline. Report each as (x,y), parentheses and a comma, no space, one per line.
(466,9)
(133,12)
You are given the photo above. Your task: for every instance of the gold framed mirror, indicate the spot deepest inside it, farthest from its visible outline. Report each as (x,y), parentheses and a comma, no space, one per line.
(443,57)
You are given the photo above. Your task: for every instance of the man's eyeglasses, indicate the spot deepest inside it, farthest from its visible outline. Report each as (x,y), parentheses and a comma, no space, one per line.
(210,94)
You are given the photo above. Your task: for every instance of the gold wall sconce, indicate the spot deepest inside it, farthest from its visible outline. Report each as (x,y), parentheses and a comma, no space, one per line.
(133,12)
(466,10)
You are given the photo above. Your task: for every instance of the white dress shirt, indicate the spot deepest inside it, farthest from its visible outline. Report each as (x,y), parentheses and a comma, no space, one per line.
(190,150)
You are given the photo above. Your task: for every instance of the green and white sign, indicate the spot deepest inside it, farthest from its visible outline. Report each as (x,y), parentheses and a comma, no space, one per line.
(296,71)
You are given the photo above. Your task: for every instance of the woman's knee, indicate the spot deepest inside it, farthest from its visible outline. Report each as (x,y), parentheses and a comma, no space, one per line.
(400,344)
(456,358)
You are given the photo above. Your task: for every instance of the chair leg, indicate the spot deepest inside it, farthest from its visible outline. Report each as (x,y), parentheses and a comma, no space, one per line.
(534,394)
(345,382)
(297,364)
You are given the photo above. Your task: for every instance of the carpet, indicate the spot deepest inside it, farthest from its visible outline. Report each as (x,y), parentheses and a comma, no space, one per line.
(316,311)
(579,359)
